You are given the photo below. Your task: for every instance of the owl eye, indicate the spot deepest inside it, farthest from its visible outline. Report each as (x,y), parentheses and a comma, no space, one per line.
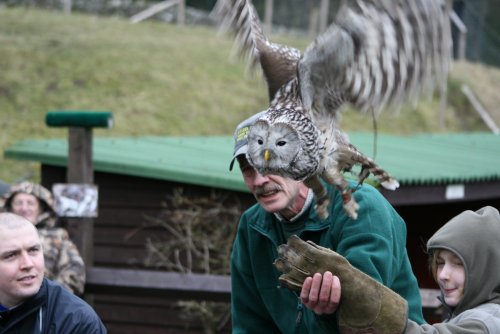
(281,143)
(260,141)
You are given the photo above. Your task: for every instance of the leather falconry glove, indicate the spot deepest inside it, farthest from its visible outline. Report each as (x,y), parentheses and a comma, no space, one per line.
(366,306)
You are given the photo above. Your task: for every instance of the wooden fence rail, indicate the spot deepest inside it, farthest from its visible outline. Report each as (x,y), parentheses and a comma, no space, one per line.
(149,283)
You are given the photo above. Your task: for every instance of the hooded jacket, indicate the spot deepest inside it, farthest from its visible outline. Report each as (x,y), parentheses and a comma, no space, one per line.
(473,237)
(63,262)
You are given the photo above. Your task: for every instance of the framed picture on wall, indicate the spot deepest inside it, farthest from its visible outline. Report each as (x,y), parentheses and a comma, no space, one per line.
(75,200)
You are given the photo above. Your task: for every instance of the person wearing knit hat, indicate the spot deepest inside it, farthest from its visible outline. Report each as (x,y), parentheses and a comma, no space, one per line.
(63,262)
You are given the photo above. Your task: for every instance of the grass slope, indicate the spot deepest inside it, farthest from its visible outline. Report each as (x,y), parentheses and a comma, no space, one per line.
(156,78)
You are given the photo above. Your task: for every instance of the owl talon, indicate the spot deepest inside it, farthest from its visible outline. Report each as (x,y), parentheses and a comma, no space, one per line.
(351,208)
(322,209)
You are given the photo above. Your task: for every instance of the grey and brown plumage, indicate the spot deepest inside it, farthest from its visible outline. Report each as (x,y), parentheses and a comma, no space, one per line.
(377,54)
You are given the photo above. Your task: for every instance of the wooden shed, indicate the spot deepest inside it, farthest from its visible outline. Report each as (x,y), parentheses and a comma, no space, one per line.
(440,176)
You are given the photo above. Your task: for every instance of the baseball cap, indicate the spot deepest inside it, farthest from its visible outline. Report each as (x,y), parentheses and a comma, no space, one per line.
(241,136)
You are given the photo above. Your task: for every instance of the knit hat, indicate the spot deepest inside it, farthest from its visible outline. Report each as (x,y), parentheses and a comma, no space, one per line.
(241,136)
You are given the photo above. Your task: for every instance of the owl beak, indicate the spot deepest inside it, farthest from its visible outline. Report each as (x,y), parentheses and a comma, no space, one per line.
(267,155)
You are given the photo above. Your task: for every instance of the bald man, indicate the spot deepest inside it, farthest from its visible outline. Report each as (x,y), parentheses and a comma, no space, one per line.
(30,303)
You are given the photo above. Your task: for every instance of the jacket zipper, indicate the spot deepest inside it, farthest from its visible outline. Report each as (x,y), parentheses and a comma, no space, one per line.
(300,313)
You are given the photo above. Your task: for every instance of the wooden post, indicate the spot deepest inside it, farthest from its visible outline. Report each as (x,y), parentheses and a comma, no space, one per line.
(67,6)
(181,12)
(268,17)
(80,170)
(80,167)
(462,40)
(313,23)
(323,15)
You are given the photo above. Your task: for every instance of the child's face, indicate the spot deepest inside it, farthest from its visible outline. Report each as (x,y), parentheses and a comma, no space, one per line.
(451,277)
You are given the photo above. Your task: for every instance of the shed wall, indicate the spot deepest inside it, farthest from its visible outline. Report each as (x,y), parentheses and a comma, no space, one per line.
(125,202)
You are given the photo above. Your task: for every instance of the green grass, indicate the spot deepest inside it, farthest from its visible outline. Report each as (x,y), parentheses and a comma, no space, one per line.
(156,78)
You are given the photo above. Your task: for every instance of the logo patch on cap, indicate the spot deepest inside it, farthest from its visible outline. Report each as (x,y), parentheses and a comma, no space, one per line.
(242,133)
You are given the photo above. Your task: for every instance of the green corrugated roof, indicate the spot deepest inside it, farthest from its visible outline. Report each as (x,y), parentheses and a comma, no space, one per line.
(413,160)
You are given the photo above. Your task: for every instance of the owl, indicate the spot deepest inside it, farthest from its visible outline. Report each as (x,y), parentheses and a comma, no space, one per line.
(378,54)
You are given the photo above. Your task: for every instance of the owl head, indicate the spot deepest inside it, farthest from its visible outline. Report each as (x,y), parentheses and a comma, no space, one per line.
(283,142)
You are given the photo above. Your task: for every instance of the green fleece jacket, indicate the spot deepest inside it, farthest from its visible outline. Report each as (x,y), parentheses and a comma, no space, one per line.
(374,243)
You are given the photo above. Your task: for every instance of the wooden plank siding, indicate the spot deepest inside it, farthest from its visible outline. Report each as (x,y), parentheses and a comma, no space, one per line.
(145,301)
(125,203)
(119,242)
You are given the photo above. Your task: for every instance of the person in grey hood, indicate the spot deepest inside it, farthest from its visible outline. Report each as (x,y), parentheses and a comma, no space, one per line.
(465,258)
(465,262)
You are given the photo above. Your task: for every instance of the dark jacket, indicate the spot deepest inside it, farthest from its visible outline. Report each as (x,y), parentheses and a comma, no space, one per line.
(53,310)
(374,243)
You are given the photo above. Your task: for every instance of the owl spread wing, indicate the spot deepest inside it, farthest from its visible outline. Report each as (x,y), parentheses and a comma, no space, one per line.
(377,53)
(278,62)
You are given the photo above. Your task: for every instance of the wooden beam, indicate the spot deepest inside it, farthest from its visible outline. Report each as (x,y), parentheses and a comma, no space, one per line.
(172,285)
(158,284)
(483,113)
(155,9)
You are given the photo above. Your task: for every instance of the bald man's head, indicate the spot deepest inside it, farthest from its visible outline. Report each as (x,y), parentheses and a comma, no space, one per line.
(21,260)
(12,221)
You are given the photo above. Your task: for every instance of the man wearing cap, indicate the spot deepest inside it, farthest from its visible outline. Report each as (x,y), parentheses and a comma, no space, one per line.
(375,243)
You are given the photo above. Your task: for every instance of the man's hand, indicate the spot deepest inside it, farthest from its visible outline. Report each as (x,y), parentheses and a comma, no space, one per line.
(321,293)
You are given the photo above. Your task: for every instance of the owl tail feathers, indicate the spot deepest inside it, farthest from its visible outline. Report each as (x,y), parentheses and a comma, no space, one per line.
(370,167)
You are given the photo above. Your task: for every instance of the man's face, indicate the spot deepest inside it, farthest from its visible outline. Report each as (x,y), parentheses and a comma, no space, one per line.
(21,264)
(275,194)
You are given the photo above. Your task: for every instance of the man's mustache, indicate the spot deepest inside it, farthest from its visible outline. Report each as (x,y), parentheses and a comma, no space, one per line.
(268,188)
